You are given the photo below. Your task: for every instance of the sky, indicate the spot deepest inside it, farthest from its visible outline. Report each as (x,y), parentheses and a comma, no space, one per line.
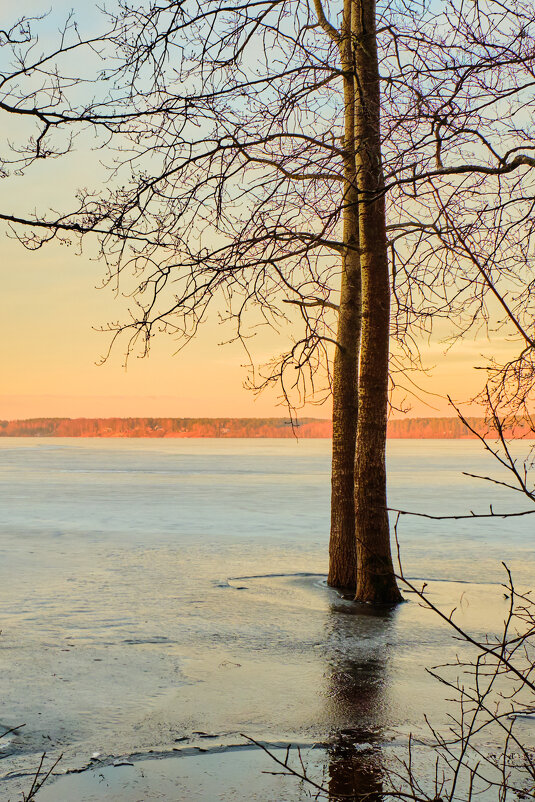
(51,348)
(53,305)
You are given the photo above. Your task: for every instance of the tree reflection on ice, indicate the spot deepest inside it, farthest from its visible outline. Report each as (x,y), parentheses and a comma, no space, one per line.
(356,683)
(354,771)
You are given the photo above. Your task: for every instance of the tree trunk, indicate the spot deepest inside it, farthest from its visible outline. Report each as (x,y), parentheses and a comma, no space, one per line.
(342,545)
(375,574)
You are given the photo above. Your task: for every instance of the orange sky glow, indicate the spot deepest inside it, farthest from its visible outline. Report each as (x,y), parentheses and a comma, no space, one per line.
(50,350)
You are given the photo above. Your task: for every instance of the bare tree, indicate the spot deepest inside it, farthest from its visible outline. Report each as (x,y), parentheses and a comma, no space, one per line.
(311,161)
(250,193)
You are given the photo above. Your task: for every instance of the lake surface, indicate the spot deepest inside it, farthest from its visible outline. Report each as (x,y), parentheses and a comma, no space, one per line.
(160,595)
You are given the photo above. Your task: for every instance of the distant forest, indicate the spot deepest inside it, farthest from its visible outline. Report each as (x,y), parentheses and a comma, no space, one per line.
(413,428)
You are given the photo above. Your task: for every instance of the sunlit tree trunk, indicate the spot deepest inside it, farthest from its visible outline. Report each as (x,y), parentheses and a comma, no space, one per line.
(342,545)
(376,582)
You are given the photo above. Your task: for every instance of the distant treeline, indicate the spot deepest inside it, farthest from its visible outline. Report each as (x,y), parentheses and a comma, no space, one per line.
(414,428)
(163,427)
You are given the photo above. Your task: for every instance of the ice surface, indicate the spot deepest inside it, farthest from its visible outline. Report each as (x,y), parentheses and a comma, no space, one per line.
(153,590)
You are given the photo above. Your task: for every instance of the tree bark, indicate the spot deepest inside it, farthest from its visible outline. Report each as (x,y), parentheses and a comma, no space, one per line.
(342,544)
(376,582)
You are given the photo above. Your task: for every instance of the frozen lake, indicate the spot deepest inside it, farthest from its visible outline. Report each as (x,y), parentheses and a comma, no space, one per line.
(157,592)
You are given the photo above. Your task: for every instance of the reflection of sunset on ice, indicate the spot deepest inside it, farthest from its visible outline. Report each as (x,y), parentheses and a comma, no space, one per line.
(171,588)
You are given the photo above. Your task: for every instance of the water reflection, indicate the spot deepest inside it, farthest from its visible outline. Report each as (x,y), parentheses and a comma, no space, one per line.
(354,772)
(356,692)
